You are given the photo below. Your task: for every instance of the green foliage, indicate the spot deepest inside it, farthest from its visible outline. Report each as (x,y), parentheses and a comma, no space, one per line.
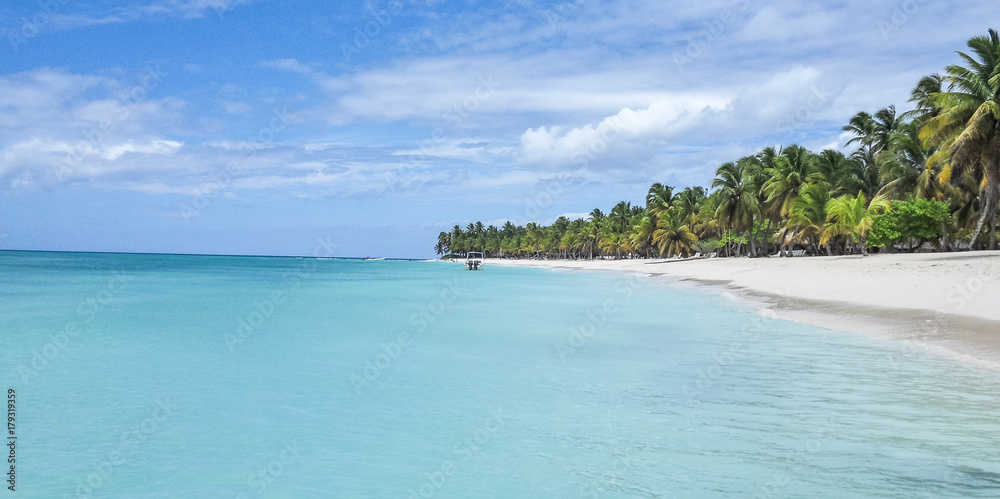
(945,153)
(707,246)
(910,221)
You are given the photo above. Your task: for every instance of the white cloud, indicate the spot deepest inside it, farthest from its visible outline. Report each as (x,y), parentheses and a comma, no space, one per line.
(780,24)
(59,127)
(157,147)
(233,107)
(787,100)
(288,65)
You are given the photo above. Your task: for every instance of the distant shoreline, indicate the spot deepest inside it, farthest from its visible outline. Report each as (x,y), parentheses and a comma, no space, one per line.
(943,303)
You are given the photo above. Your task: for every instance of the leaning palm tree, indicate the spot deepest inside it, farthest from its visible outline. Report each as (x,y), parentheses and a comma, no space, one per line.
(853,217)
(673,236)
(967,131)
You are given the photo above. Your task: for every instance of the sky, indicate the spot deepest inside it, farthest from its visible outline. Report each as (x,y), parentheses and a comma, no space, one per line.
(293,127)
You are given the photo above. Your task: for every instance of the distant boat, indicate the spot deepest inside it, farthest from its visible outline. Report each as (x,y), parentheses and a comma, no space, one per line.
(474,260)
(374,258)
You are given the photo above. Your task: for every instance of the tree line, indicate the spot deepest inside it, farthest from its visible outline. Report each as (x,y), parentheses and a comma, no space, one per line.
(929,177)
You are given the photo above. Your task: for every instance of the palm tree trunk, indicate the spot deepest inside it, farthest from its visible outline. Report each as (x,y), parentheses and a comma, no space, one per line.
(781,245)
(989,209)
(763,237)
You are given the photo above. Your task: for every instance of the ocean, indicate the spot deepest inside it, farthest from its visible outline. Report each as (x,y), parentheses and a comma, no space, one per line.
(164,376)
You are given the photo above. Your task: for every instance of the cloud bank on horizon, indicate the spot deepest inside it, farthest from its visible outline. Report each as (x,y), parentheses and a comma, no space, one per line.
(163,123)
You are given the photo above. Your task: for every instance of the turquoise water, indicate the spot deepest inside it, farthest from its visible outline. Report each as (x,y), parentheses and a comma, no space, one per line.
(150,376)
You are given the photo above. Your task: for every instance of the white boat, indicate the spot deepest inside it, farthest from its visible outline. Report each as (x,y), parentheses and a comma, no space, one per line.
(374,258)
(474,260)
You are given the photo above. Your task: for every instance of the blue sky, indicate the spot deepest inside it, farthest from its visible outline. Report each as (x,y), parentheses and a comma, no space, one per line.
(261,127)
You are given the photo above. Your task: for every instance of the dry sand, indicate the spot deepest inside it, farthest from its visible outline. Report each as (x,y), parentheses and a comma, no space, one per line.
(943,303)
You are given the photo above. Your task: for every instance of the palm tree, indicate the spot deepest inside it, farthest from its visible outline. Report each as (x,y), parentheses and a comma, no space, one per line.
(659,198)
(967,131)
(737,187)
(905,171)
(620,217)
(641,236)
(872,131)
(851,217)
(862,126)
(923,95)
(792,169)
(862,173)
(673,236)
(690,200)
(492,240)
(831,167)
(533,238)
(597,216)
(588,237)
(885,123)
(808,214)
(609,241)
(444,243)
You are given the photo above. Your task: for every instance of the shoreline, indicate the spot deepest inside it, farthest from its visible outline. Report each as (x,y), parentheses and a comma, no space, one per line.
(946,304)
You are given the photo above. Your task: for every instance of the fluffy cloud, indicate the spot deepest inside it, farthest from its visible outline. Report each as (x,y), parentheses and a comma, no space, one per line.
(60,127)
(787,100)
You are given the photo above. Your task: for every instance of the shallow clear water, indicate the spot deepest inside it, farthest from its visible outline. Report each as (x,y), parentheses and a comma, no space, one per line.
(155,376)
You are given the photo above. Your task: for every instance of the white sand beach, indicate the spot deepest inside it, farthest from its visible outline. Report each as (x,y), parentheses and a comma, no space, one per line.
(946,303)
